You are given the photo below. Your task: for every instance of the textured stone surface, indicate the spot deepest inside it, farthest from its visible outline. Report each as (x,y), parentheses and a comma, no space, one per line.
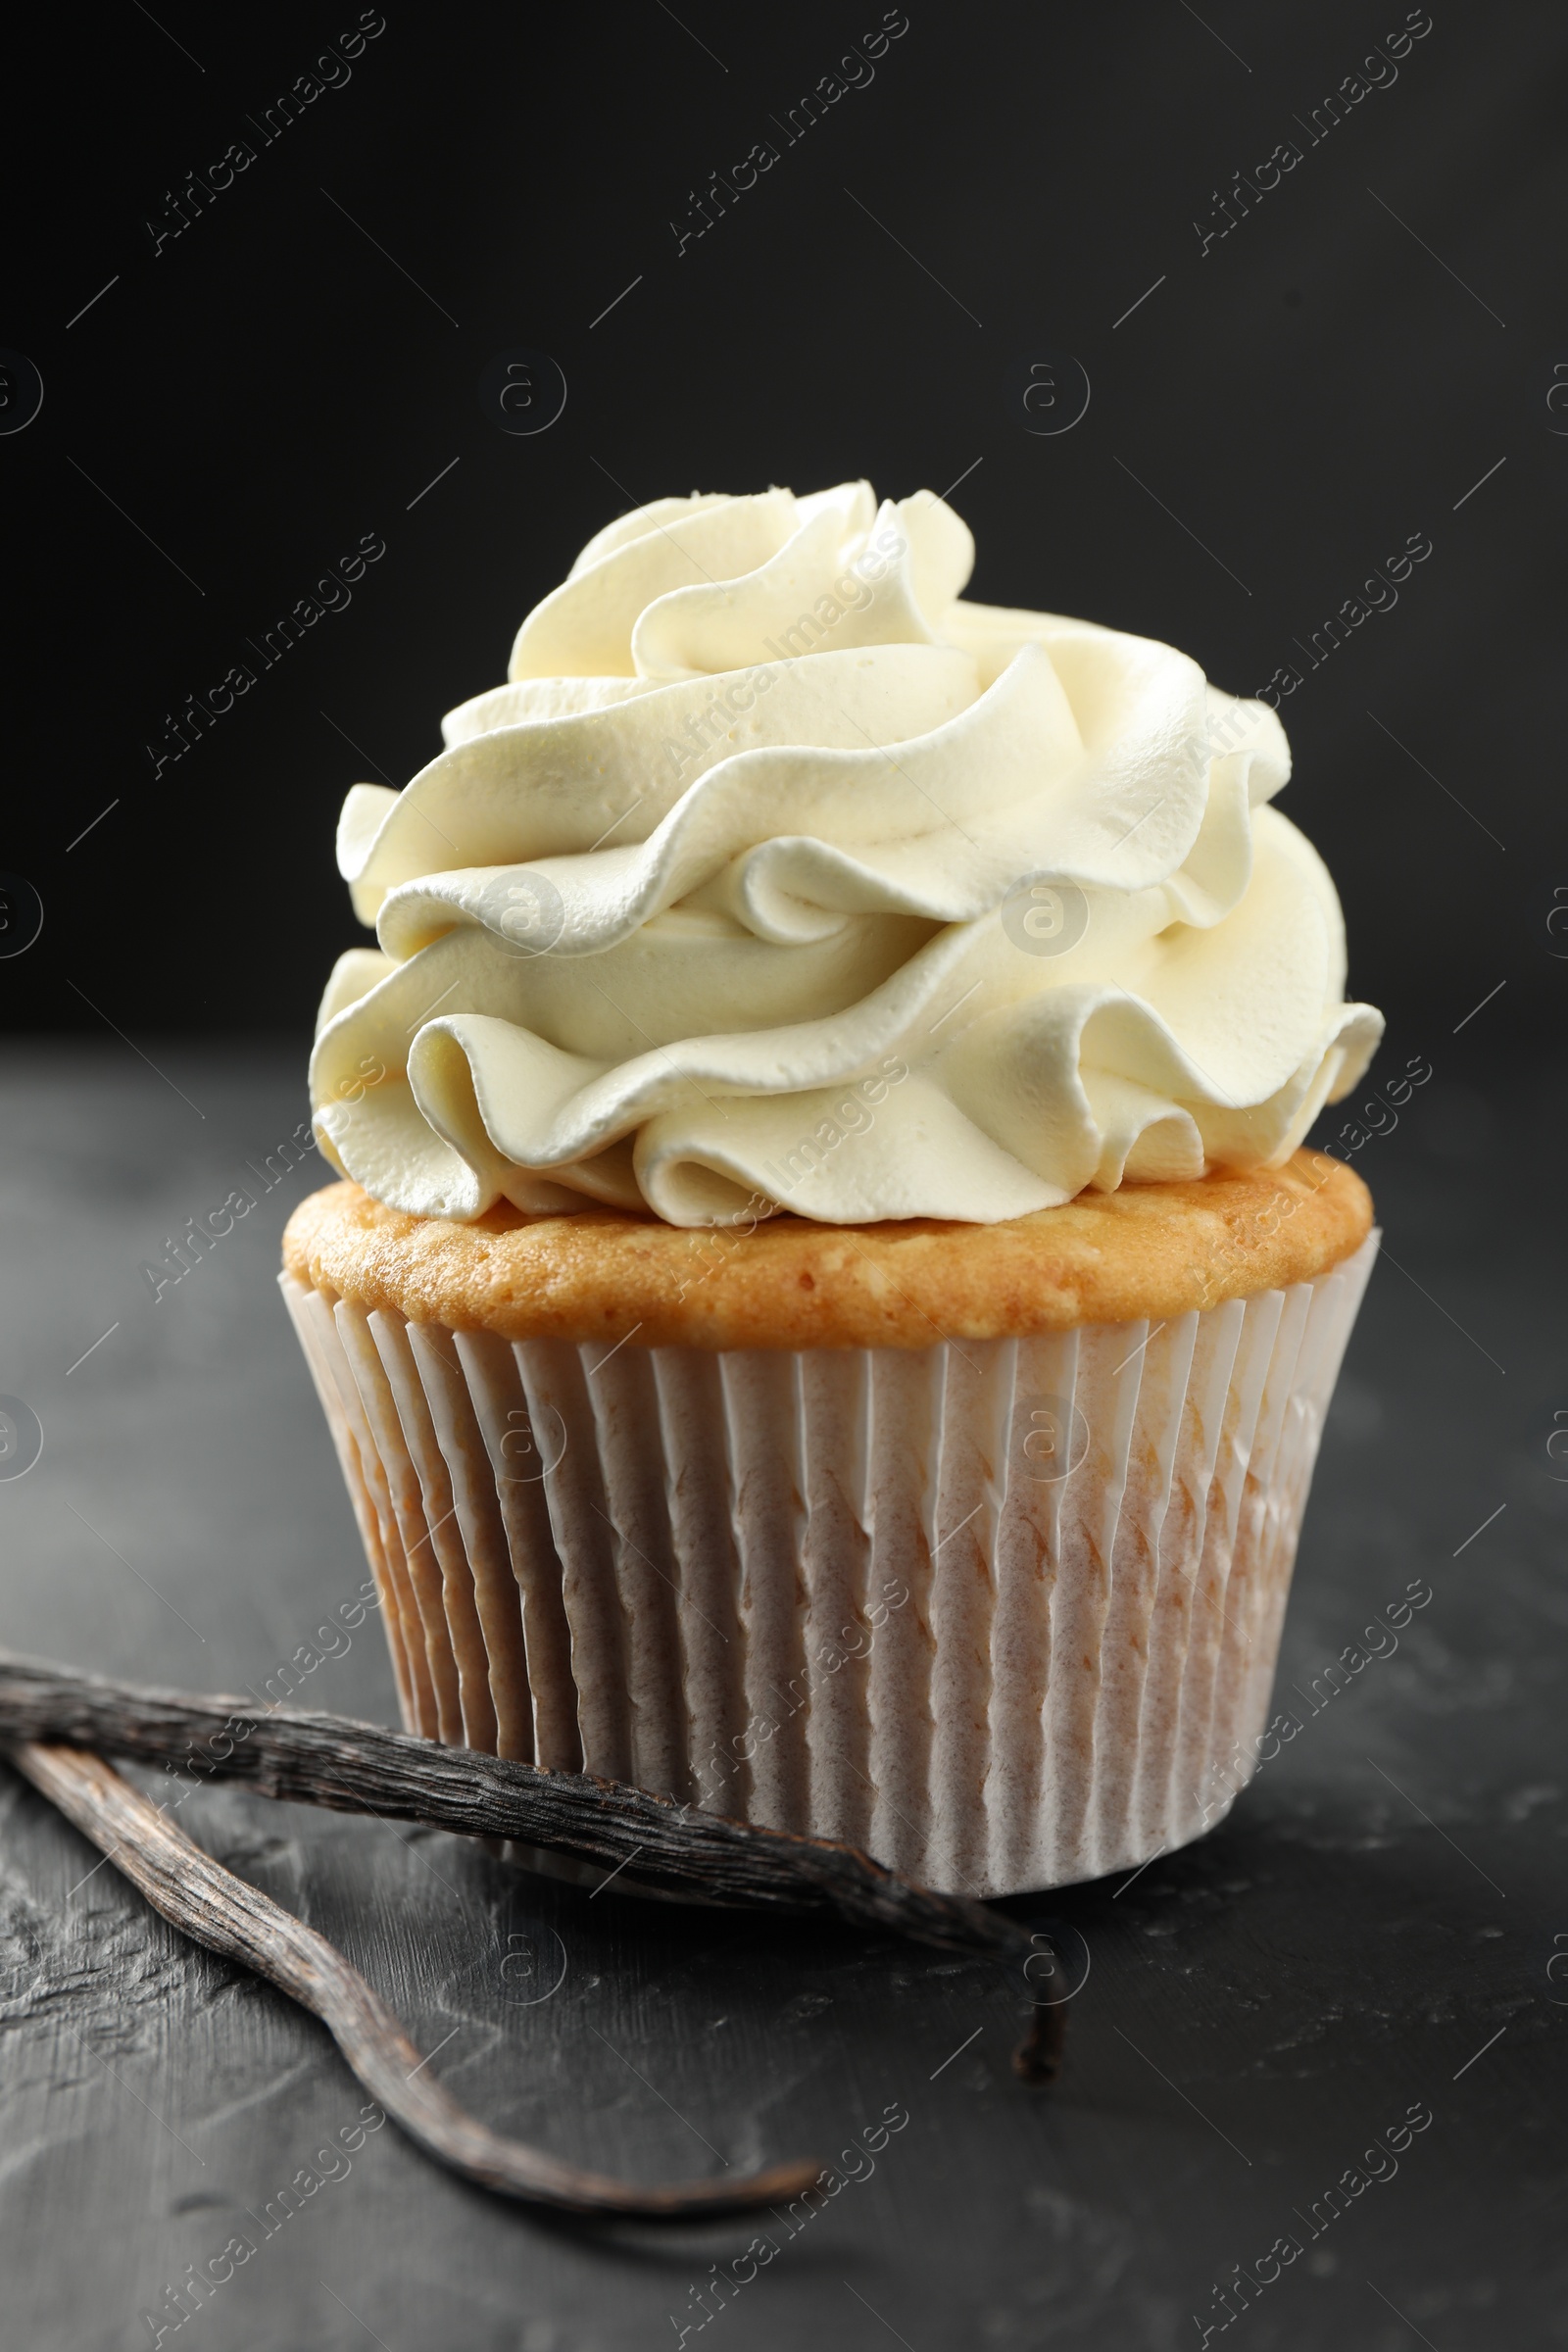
(1381,1903)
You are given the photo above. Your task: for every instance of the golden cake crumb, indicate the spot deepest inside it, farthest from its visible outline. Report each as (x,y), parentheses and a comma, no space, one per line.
(1151,1250)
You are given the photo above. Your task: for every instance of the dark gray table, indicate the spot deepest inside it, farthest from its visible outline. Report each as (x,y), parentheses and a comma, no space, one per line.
(1371,1930)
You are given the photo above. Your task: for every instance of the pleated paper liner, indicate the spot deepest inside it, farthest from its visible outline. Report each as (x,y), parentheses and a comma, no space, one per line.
(1003,1612)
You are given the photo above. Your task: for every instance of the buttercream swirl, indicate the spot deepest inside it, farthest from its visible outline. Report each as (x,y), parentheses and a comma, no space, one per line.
(777,871)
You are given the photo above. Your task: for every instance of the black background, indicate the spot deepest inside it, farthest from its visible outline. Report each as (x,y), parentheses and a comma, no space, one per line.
(1306,394)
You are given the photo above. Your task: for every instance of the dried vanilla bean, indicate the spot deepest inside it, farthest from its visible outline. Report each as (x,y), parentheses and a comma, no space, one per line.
(331,1760)
(208,1904)
(226,1915)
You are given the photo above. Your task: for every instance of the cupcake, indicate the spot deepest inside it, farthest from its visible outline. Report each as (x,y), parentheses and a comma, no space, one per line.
(826,1315)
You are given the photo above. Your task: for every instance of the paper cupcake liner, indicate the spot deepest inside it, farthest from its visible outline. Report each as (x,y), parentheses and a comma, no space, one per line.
(1002,1612)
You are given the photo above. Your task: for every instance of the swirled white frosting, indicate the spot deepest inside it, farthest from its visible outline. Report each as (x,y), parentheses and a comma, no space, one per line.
(779,870)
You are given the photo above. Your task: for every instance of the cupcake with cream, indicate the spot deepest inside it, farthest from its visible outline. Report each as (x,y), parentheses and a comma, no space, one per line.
(827,1314)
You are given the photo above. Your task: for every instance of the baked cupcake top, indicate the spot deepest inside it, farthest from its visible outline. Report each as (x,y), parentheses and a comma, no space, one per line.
(1145,1250)
(779,877)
